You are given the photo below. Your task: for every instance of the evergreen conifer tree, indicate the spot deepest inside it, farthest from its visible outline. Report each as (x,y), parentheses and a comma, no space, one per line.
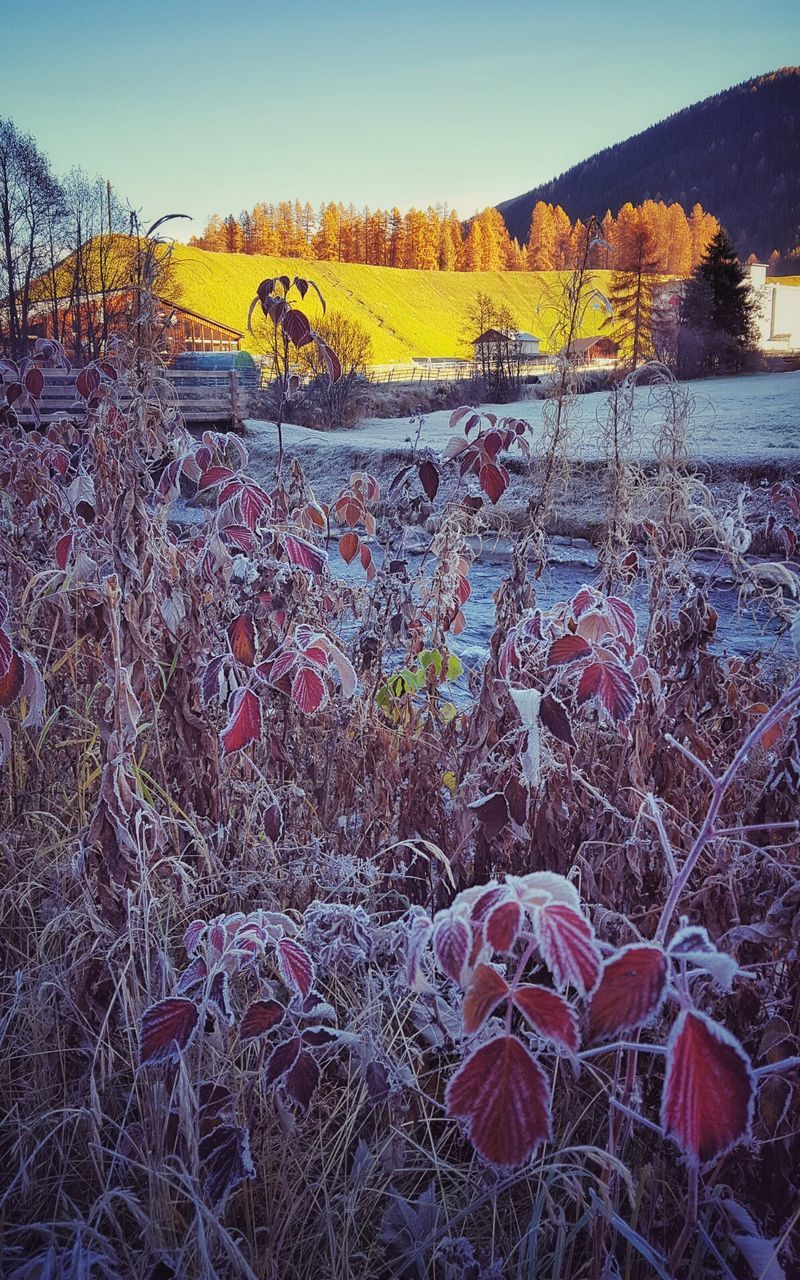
(717,320)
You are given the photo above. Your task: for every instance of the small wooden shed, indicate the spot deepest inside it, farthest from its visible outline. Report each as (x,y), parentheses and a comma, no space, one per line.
(512,345)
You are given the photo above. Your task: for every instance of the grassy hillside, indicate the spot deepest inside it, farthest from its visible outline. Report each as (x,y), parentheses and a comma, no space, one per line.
(407,313)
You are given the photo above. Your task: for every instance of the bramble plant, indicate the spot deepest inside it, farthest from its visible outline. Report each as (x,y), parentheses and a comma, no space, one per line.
(304,907)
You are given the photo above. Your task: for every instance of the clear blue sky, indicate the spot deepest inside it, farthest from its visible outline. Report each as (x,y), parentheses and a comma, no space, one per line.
(201,107)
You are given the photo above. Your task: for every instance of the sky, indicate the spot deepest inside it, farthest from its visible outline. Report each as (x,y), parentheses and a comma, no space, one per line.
(211,107)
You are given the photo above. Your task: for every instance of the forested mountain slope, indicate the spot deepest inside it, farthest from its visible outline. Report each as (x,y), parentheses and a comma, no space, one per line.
(737,153)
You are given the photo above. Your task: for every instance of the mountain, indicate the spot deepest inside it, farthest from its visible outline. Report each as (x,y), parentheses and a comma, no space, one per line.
(736,153)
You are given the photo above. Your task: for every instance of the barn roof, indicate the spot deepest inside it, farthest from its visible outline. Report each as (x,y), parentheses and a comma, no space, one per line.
(43,304)
(580,346)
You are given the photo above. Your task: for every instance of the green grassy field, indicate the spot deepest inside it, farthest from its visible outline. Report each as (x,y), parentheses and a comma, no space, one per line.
(407,313)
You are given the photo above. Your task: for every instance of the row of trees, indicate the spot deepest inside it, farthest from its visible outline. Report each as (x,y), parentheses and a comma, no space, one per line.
(437,239)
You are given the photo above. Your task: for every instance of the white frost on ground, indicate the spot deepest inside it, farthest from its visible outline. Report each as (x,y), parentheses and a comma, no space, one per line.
(735,420)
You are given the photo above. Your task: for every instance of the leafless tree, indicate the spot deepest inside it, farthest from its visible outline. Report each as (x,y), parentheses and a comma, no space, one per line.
(31,203)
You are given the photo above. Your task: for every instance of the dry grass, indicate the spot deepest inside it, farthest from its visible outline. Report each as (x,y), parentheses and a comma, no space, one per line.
(124,821)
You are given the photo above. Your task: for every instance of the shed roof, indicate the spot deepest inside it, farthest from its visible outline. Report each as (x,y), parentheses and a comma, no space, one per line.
(501,335)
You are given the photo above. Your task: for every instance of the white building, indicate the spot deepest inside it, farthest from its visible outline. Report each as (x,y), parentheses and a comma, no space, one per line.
(528,344)
(778,315)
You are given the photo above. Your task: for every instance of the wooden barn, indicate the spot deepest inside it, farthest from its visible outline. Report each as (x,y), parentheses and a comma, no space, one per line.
(594,350)
(85,326)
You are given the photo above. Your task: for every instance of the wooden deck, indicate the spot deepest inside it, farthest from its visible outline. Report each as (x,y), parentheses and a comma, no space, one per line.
(202,396)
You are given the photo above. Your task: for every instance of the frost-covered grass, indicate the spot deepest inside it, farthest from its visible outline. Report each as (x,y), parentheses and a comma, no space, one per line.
(240,787)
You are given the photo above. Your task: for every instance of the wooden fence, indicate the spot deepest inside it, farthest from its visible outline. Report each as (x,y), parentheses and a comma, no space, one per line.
(201,396)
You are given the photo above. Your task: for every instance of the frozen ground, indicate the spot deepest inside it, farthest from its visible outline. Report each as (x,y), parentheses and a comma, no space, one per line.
(739,425)
(734,420)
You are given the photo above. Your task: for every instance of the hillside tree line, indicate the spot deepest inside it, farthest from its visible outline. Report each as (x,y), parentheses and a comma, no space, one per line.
(437,239)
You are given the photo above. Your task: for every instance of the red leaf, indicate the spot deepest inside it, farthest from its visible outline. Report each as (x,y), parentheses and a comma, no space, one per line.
(244,724)
(429,478)
(304,554)
(484,904)
(613,685)
(549,1014)
(452,941)
(12,681)
(348,546)
(493,480)
(213,683)
(253,503)
(302,1078)
(166,1030)
(239,535)
(458,414)
(260,1017)
(567,649)
(308,690)
(215,1104)
(193,935)
(583,600)
(630,992)
(283,1057)
(242,639)
(492,813)
(566,941)
(225,1161)
(366,561)
(483,995)
(34,382)
(297,328)
(87,381)
(214,475)
(503,924)
(594,626)
(295,965)
(624,617)
(503,1094)
(493,442)
(192,976)
(555,717)
(709,1088)
(320,1037)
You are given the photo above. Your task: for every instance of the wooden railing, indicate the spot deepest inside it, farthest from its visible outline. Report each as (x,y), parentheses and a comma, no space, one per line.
(221,396)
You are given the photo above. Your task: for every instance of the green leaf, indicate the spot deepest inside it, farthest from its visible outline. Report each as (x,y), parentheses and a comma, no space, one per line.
(454,667)
(431,657)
